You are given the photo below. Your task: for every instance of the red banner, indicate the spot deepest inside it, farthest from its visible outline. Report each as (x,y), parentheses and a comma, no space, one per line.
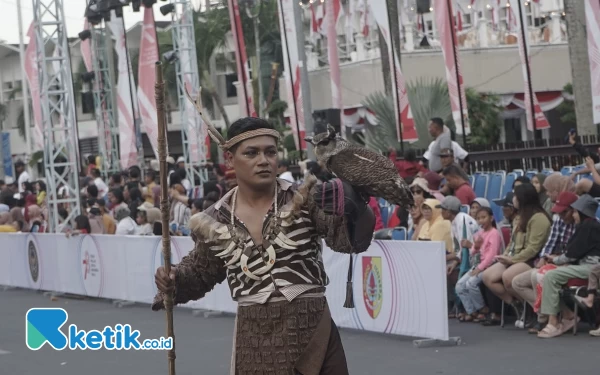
(515,23)
(447,32)
(332,14)
(241,59)
(146,78)
(408,133)
(292,70)
(32,73)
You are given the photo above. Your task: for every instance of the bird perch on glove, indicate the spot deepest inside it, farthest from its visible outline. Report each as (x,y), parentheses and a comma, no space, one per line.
(370,173)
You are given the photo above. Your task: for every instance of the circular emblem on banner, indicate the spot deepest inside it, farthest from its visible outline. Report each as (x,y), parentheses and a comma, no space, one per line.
(90,266)
(34,263)
(159,259)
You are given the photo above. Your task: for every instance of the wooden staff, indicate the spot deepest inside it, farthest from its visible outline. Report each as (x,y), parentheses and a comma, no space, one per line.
(159,95)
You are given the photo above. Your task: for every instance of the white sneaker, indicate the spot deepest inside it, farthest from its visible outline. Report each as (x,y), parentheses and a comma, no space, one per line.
(519,324)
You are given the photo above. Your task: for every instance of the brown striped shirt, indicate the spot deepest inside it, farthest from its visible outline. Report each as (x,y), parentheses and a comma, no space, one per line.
(295,270)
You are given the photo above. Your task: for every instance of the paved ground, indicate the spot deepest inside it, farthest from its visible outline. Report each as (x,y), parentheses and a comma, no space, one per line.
(204,345)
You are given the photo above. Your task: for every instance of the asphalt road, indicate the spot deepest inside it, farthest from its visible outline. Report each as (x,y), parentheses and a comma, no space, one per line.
(204,346)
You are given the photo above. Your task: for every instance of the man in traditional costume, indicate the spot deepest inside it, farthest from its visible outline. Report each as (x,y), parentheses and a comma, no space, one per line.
(264,237)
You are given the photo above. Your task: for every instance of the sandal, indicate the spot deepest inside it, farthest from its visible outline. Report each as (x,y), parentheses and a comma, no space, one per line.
(468,319)
(539,326)
(490,322)
(550,331)
(479,318)
(568,324)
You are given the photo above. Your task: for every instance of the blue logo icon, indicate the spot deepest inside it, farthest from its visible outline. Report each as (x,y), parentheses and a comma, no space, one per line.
(43,326)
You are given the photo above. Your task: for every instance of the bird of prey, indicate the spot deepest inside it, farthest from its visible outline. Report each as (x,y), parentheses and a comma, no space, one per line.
(369,172)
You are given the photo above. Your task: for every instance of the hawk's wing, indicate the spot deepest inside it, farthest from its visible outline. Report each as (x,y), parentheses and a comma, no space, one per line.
(362,167)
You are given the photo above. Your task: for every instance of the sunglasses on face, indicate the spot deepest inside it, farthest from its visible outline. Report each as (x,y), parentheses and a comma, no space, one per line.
(416,191)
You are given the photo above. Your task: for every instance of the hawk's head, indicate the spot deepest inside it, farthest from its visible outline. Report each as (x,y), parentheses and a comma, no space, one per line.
(325,143)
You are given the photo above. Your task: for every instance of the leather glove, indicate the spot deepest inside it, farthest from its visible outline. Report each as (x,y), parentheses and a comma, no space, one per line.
(337,197)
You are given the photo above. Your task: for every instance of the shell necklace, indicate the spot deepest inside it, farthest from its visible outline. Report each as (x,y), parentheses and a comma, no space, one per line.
(248,251)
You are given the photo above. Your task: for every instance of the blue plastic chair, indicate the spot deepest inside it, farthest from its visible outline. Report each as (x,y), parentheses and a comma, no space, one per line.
(399,234)
(481,185)
(497,210)
(530,174)
(519,172)
(566,171)
(465,209)
(494,190)
(472,181)
(508,183)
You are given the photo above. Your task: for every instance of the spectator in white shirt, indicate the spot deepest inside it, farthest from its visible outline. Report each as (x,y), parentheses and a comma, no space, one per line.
(147,215)
(283,172)
(102,187)
(181,212)
(23,175)
(125,225)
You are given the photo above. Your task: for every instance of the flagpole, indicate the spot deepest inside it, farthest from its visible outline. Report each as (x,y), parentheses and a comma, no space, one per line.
(527,67)
(458,83)
(24,88)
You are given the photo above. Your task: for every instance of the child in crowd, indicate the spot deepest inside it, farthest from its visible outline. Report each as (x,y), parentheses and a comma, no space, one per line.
(476,206)
(486,247)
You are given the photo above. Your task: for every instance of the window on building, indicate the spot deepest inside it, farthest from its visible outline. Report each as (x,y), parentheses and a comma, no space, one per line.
(229,86)
(87,102)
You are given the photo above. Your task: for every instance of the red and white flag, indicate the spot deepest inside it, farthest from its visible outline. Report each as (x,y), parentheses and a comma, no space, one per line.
(447,32)
(32,73)
(292,70)
(592,15)
(125,96)
(540,118)
(241,60)
(408,133)
(333,12)
(146,77)
(86,49)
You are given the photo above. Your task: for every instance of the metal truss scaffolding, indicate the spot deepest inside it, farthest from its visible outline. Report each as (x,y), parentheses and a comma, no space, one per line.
(61,151)
(193,132)
(108,128)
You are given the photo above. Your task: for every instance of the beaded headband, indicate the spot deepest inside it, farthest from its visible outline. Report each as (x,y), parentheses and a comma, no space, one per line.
(247,135)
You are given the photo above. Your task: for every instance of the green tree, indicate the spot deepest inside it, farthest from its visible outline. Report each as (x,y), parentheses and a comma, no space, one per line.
(484,118)
(567,109)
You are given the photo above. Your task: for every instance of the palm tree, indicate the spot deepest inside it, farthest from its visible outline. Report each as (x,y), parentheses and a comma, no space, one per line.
(580,66)
(429,98)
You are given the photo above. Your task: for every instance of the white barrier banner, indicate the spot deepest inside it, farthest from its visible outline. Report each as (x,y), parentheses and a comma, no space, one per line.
(399,286)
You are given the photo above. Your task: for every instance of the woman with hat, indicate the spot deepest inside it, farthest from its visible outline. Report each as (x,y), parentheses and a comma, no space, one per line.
(420,190)
(581,255)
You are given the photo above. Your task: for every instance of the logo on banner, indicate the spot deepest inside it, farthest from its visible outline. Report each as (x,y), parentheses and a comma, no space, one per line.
(372,285)
(91,266)
(34,264)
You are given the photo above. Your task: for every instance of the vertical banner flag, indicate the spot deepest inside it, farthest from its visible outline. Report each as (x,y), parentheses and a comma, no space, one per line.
(332,13)
(291,65)
(592,15)
(408,133)
(32,73)
(86,48)
(447,32)
(241,60)
(197,132)
(147,58)
(515,23)
(126,115)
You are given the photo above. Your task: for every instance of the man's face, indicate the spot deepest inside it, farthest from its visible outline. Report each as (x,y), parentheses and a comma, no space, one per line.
(433,130)
(147,180)
(255,162)
(180,164)
(446,160)
(452,181)
(111,198)
(19,169)
(447,215)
